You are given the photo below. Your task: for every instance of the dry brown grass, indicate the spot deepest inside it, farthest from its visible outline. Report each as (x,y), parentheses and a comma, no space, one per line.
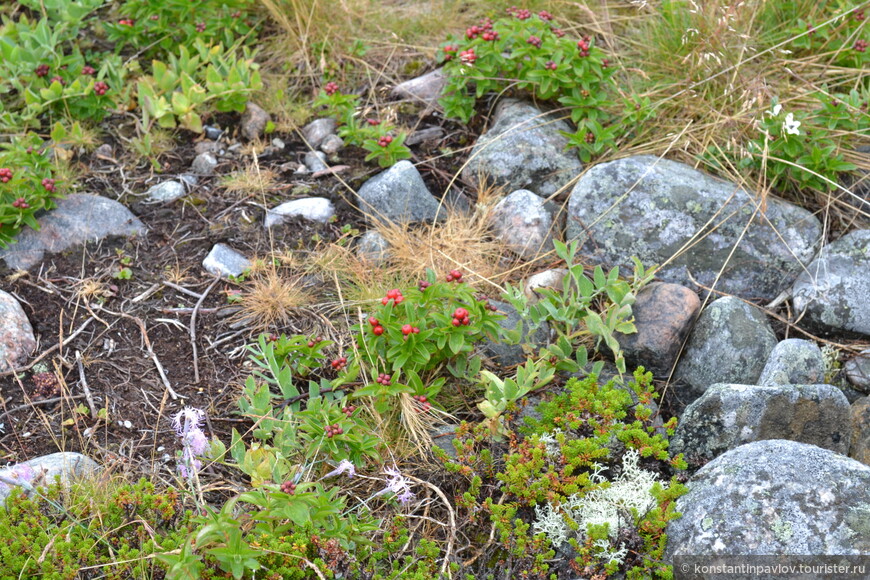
(272,300)
(251,181)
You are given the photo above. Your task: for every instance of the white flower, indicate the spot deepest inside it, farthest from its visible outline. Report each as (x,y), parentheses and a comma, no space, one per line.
(777,108)
(790,126)
(344,466)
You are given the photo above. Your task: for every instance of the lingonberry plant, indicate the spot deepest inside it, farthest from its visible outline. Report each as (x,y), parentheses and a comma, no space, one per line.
(384,142)
(528,52)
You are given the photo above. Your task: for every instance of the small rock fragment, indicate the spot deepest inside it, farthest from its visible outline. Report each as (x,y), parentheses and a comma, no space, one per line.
(254,121)
(317,209)
(224,261)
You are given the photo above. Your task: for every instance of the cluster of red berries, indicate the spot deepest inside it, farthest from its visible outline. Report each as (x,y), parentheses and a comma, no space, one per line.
(348,411)
(126,22)
(460,317)
(860,45)
(57,79)
(377,329)
(315,341)
(5,174)
(333,430)
(383,379)
(544,15)
(484,299)
(49,185)
(339,363)
(407,329)
(551,65)
(859,15)
(467,56)
(583,46)
(20,203)
(200,26)
(330,88)
(449,51)
(484,30)
(272,337)
(590,137)
(237,14)
(288,487)
(155,17)
(519,13)
(373,122)
(422,285)
(534,41)
(394,295)
(605,62)
(558,32)
(101,88)
(454,276)
(88,70)
(385,140)
(42,70)
(424,403)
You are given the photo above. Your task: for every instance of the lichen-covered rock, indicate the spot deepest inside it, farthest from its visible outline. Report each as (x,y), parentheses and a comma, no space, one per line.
(523,149)
(524,223)
(794,361)
(663,315)
(664,212)
(316,209)
(398,195)
(727,416)
(224,261)
(859,444)
(833,290)
(774,497)
(857,370)
(730,343)
(42,471)
(16,333)
(78,218)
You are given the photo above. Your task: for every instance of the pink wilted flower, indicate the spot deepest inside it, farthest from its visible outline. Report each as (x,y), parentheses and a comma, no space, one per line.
(344,466)
(399,485)
(188,426)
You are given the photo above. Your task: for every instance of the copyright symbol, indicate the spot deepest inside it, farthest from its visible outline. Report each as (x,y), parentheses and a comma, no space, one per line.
(684,568)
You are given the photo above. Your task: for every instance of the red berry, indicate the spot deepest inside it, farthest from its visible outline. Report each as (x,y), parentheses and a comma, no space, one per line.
(88,70)
(20,203)
(373,122)
(467,56)
(5,174)
(544,15)
(551,65)
(407,329)
(100,88)
(330,88)
(200,26)
(558,32)
(288,487)
(378,330)
(57,79)
(48,184)
(456,322)
(860,45)
(457,275)
(466,321)
(460,313)
(42,70)
(415,330)
(534,41)
(373,321)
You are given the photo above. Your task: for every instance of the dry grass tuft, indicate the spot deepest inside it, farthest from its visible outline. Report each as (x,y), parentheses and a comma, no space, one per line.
(250,181)
(272,300)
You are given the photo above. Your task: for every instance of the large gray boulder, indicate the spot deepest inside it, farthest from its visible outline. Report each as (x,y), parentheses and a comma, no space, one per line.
(833,290)
(398,195)
(730,343)
(774,497)
(728,416)
(665,212)
(523,149)
(78,218)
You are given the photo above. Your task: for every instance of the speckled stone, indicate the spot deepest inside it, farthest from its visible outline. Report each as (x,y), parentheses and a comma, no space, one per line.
(317,209)
(224,261)
(523,149)
(524,223)
(254,121)
(727,416)
(730,343)
(373,247)
(794,361)
(834,288)
(318,130)
(859,448)
(42,471)
(16,333)
(655,208)
(398,195)
(857,371)
(774,497)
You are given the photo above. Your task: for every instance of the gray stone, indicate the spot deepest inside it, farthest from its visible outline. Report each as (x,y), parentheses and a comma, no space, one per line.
(833,290)
(426,88)
(524,224)
(373,247)
(424,135)
(224,261)
(316,209)
(443,437)
(859,445)
(77,219)
(189,179)
(774,497)
(212,133)
(204,164)
(206,147)
(316,131)
(727,416)
(548,279)
(663,316)
(104,151)
(332,145)
(513,354)
(730,343)
(664,212)
(523,149)
(315,161)
(278,143)
(166,192)
(42,472)
(398,195)
(16,334)
(794,362)
(254,121)
(857,371)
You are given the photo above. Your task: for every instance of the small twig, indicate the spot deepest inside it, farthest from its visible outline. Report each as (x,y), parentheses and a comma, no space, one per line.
(151,290)
(49,350)
(445,566)
(181,289)
(193,328)
(84,383)
(8,412)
